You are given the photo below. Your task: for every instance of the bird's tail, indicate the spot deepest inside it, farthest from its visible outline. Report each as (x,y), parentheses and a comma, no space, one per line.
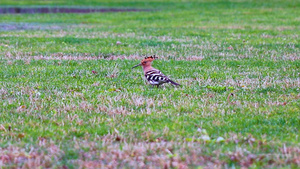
(174,83)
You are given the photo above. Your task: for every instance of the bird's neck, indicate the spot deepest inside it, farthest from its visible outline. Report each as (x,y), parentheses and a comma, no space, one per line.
(147,68)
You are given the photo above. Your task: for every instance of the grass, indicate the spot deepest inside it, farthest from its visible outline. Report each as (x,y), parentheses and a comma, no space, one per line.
(71,100)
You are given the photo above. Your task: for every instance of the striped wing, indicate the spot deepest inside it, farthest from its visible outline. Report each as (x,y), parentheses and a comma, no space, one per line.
(155,77)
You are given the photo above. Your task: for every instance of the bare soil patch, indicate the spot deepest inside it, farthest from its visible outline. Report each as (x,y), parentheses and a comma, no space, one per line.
(23,10)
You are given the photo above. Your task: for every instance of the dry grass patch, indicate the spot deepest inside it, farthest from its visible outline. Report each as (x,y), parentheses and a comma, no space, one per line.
(113,151)
(46,156)
(140,155)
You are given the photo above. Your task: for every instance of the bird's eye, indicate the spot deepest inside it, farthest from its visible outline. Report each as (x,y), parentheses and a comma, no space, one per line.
(144,63)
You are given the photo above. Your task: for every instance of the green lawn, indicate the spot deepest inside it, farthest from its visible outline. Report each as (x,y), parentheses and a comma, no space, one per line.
(69,98)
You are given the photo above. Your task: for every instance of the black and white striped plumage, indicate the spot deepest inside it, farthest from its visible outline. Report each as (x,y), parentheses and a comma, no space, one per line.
(155,77)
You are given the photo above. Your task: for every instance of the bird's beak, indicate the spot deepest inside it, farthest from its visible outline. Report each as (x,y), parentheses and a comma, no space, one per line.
(136,66)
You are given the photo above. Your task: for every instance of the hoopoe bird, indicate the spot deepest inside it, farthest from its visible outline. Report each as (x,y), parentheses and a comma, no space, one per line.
(154,76)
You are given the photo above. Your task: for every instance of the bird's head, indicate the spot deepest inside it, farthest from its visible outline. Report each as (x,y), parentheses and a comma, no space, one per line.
(146,62)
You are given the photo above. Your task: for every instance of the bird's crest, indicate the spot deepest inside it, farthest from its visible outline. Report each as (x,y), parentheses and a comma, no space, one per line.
(150,58)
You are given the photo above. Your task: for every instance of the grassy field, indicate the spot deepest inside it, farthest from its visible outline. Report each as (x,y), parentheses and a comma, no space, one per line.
(69,98)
